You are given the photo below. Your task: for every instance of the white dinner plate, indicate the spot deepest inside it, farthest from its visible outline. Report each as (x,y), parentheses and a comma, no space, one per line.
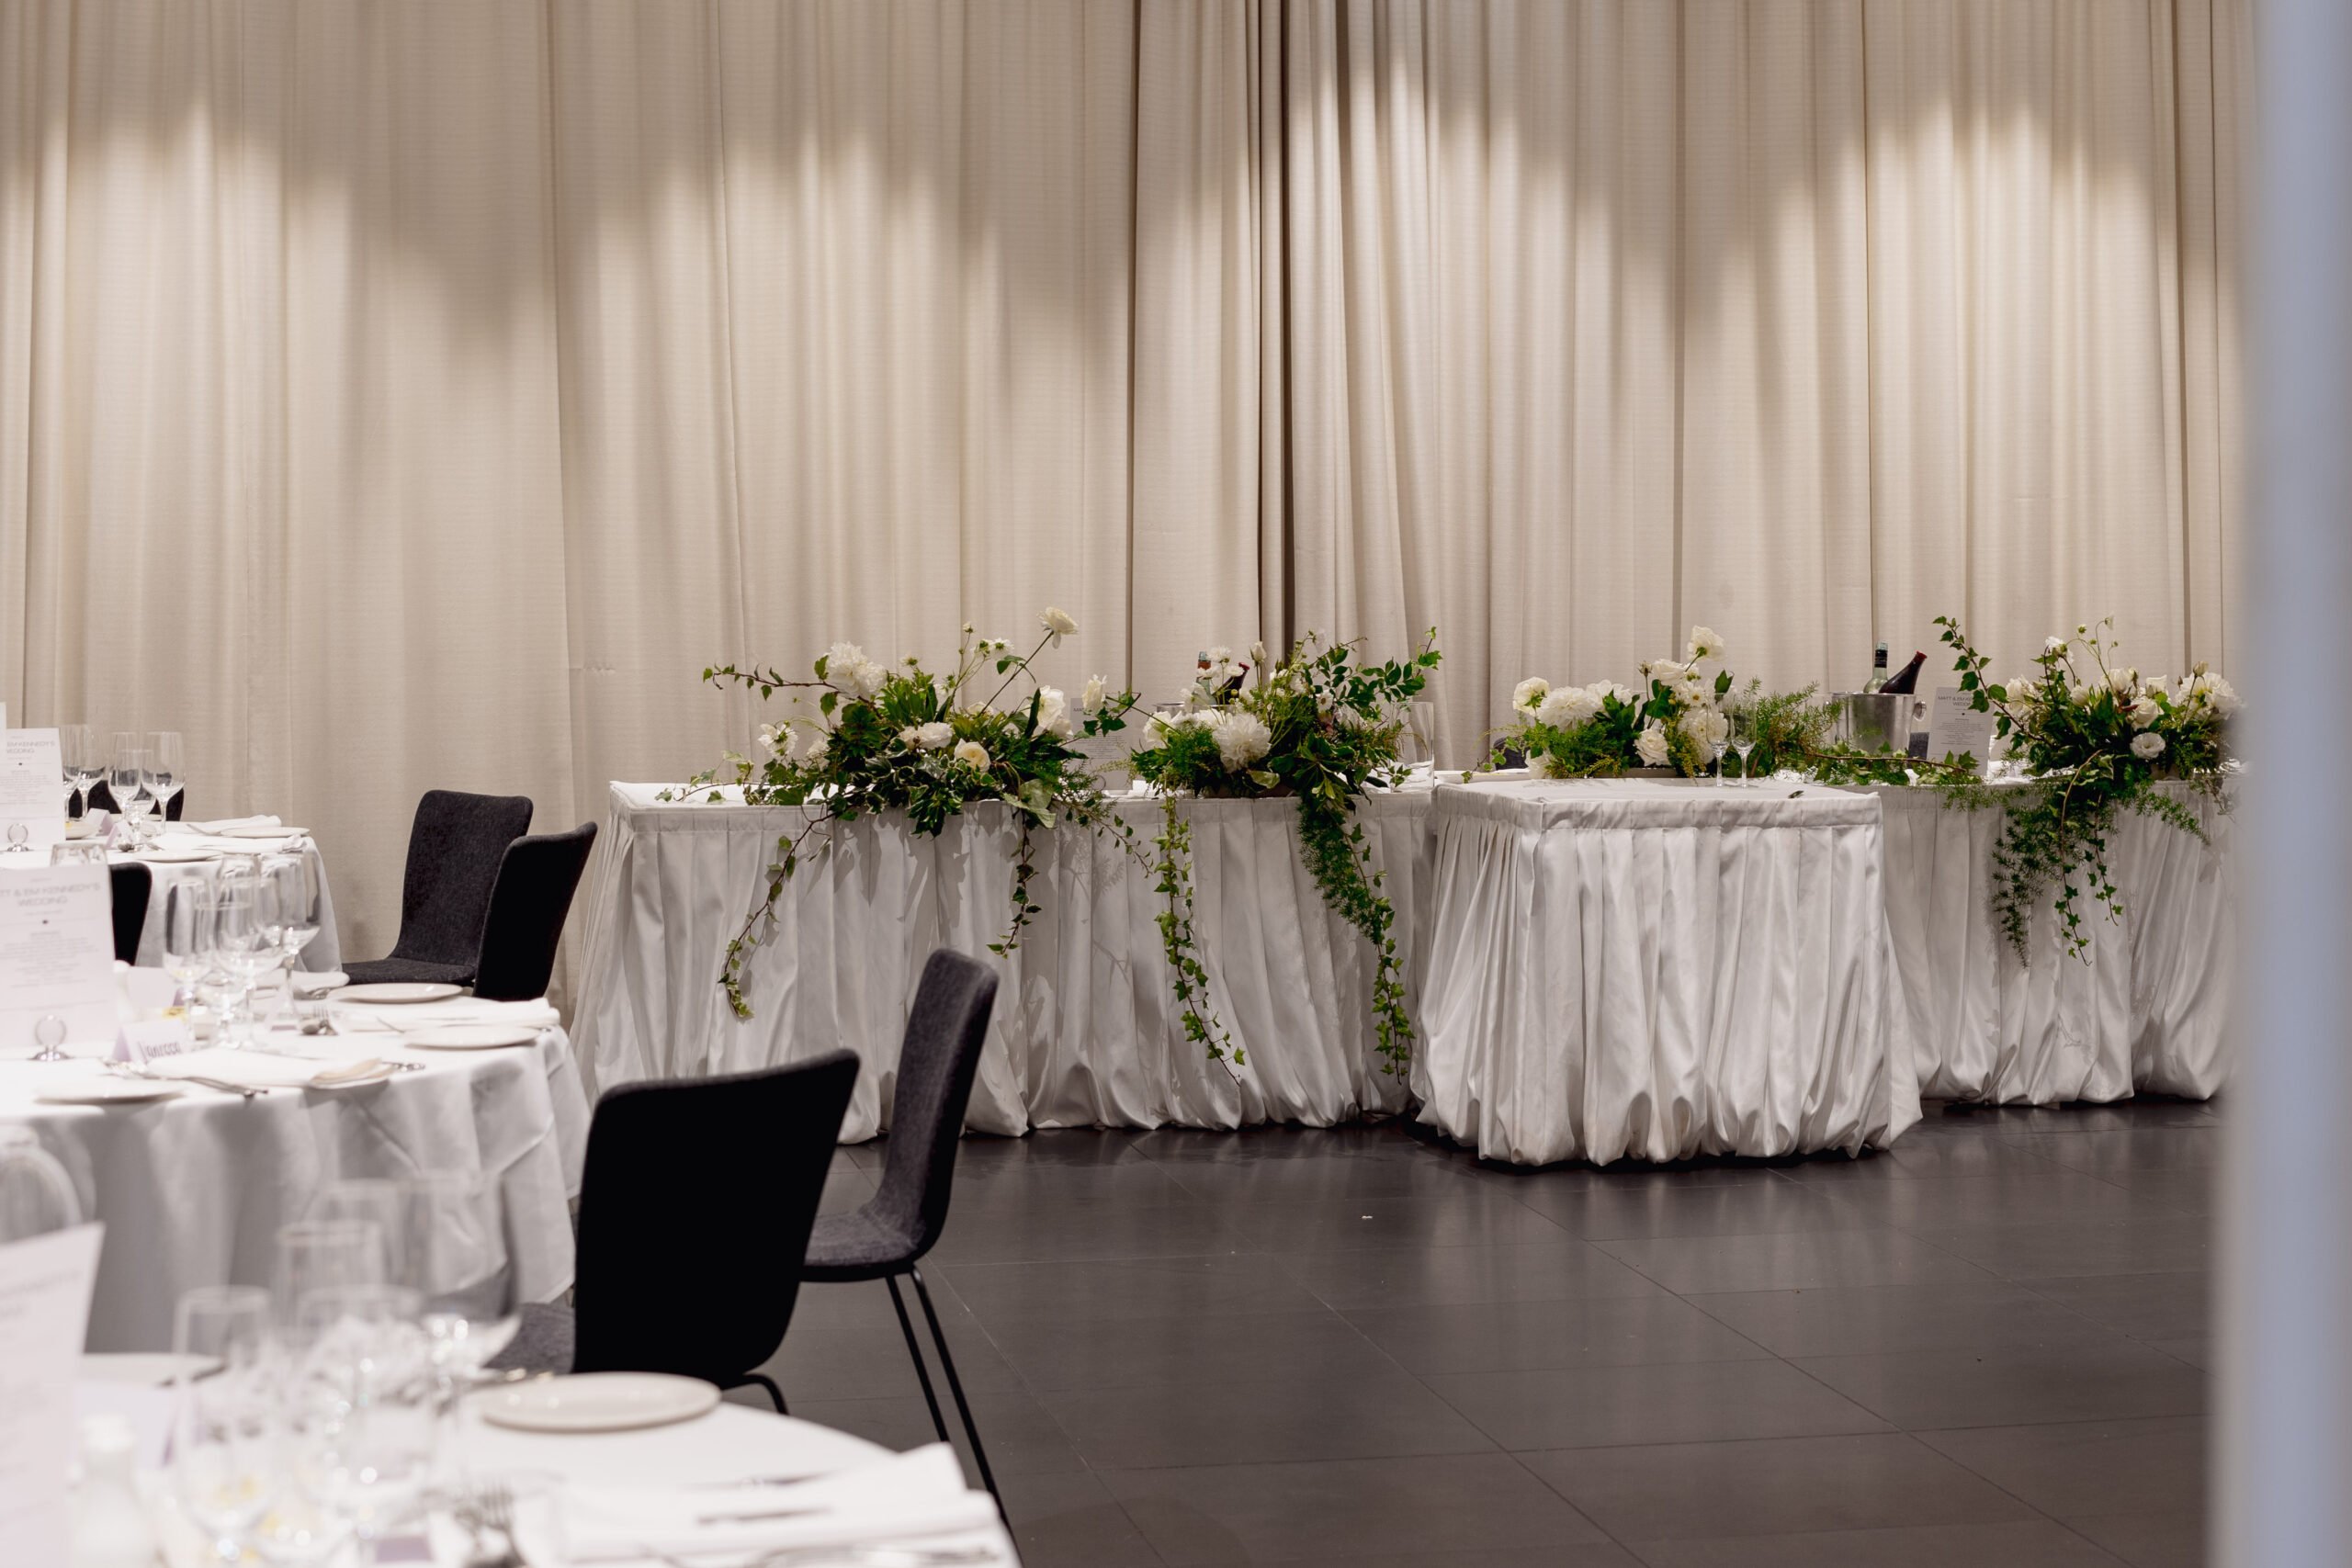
(598,1402)
(311,982)
(468,1036)
(400,991)
(260,832)
(176,857)
(108,1091)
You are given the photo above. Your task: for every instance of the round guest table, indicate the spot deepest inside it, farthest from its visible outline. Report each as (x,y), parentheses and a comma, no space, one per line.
(192,1190)
(182,850)
(1632,969)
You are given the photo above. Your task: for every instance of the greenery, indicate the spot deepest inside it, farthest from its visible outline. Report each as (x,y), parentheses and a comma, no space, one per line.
(863,738)
(1674,720)
(1322,727)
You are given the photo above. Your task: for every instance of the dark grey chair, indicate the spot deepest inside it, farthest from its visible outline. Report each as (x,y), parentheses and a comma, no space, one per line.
(938,1061)
(455,849)
(528,905)
(695,1207)
(132,886)
(101,798)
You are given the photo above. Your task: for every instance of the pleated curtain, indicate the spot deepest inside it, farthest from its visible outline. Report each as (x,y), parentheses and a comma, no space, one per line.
(396,396)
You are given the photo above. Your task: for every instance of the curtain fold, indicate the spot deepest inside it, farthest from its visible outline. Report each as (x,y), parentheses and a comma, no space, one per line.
(408,395)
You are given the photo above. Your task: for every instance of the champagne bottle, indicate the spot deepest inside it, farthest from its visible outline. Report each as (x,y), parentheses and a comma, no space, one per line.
(1878,670)
(1906,680)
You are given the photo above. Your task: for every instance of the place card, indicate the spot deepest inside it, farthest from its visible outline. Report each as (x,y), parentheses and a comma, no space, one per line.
(44,1314)
(32,796)
(57,954)
(1956,727)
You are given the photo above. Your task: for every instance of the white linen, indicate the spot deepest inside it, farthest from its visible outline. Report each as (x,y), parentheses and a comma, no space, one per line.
(1658,970)
(192,1190)
(2149,1011)
(1085,1031)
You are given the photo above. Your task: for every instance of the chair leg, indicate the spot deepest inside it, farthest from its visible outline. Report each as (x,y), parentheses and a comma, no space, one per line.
(914,1351)
(775,1392)
(955,1387)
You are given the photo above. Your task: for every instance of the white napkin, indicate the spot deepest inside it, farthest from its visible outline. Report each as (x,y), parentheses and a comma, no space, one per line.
(256,1069)
(223,824)
(912,1495)
(399,1018)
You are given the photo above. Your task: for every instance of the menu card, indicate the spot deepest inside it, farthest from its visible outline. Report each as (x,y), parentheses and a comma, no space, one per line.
(1956,727)
(44,1311)
(57,954)
(32,796)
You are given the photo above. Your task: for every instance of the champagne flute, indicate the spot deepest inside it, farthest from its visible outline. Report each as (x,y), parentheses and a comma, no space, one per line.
(223,1470)
(167,768)
(1743,737)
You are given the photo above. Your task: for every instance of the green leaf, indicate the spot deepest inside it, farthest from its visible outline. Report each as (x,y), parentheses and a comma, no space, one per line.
(826,704)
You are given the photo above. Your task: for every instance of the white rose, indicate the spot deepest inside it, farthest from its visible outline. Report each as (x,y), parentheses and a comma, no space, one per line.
(1053,713)
(1220,656)
(910,737)
(972,754)
(1089,702)
(1568,707)
(841,657)
(932,736)
(2080,695)
(1529,693)
(1057,625)
(1258,654)
(1241,739)
(1605,690)
(2147,746)
(1650,745)
(804,742)
(769,735)
(1704,644)
(1704,724)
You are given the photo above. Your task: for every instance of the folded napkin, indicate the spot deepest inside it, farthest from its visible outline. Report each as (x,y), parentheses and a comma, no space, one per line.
(402,1017)
(910,1495)
(223,824)
(259,1070)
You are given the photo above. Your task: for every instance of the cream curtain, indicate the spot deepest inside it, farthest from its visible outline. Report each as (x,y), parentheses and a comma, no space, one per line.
(372,372)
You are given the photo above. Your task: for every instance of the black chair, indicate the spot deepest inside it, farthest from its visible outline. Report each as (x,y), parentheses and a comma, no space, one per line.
(695,1207)
(101,798)
(938,1061)
(528,905)
(455,849)
(132,886)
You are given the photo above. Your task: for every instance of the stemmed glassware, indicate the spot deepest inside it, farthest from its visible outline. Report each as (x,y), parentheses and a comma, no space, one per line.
(127,781)
(1743,737)
(247,939)
(295,879)
(167,769)
(76,753)
(188,908)
(223,1471)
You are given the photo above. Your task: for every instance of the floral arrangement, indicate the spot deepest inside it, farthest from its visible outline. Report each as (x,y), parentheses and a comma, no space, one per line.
(864,738)
(1322,726)
(1674,720)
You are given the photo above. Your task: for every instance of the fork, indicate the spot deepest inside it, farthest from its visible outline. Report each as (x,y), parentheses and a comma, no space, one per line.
(494,1508)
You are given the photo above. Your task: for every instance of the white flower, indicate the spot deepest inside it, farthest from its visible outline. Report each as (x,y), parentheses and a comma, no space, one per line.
(2123,682)
(1053,713)
(910,737)
(1058,624)
(804,742)
(1089,702)
(2147,746)
(1220,656)
(1705,725)
(1704,644)
(1258,654)
(1605,690)
(972,754)
(2212,691)
(2080,695)
(2144,712)
(1650,745)
(2053,645)
(932,736)
(1568,707)
(1242,737)
(769,736)
(1529,693)
(840,656)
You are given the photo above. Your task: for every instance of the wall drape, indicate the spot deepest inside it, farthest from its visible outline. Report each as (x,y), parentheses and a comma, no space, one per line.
(401,395)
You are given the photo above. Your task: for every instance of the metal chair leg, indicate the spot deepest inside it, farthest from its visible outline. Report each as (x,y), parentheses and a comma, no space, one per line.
(955,1387)
(907,1327)
(775,1392)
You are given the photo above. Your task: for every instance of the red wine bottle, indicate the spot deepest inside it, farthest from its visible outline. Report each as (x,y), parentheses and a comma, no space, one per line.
(1907,679)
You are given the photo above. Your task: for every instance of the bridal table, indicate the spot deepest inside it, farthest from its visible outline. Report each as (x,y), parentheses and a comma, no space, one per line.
(1658,970)
(192,1190)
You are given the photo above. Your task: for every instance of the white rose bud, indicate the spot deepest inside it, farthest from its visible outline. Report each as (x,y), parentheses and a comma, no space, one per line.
(972,754)
(1058,624)
(1650,745)
(932,736)
(1529,693)
(1091,702)
(1258,654)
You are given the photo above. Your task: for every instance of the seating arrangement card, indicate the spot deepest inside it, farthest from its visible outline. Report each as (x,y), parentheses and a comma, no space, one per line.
(57,954)
(1956,727)
(32,796)
(44,1311)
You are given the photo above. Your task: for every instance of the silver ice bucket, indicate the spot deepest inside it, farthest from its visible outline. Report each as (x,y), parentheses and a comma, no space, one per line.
(1874,721)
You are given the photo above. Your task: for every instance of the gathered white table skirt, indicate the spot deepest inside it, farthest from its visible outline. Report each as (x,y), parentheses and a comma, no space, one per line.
(2147,1008)
(1086,1031)
(192,1190)
(1657,971)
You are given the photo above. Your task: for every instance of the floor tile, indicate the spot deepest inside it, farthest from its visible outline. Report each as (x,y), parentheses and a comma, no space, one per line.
(2148,1245)
(1473,1336)
(1127,1288)
(1928,1390)
(1475,1216)
(2121,1150)
(1689,1402)
(2011,1198)
(2080,1469)
(1021,1437)
(1246,1183)
(1048,1230)
(1459,1504)
(2150,1540)
(1175,1353)
(1382,1415)
(1070,1520)
(2025,1543)
(1557,1270)
(2147,1306)
(1773,1486)
(1710,1265)
(1622,1210)
(1853,1320)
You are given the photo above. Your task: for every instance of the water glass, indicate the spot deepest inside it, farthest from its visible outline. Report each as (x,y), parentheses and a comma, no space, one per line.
(128,779)
(189,906)
(296,880)
(323,1255)
(361,1418)
(369,1200)
(167,768)
(247,937)
(224,1468)
(77,751)
(458,1255)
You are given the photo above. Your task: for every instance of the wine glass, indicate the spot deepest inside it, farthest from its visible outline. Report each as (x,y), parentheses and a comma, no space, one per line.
(360,1420)
(189,906)
(77,754)
(127,780)
(247,937)
(370,1200)
(223,1469)
(167,768)
(322,1254)
(1743,737)
(296,879)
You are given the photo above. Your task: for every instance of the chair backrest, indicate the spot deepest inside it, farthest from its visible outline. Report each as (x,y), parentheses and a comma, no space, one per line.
(694,1212)
(453,851)
(938,1061)
(528,905)
(133,885)
(101,798)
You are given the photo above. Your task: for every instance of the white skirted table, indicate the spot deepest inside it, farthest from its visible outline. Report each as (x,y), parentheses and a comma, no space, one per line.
(192,1190)
(1656,971)
(1085,1031)
(2149,1011)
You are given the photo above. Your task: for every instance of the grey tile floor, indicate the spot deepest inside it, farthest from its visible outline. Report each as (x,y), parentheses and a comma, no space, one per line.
(1288,1344)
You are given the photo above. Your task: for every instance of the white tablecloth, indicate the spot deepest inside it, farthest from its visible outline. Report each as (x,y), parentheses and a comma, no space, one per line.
(2151,1009)
(192,1190)
(325,951)
(1658,970)
(1085,1031)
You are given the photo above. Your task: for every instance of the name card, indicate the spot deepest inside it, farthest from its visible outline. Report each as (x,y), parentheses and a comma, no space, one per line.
(32,796)
(44,1312)
(1956,727)
(57,954)
(150,1038)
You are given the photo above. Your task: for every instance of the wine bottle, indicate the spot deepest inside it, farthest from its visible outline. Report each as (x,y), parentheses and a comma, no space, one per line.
(1906,680)
(1878,670)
